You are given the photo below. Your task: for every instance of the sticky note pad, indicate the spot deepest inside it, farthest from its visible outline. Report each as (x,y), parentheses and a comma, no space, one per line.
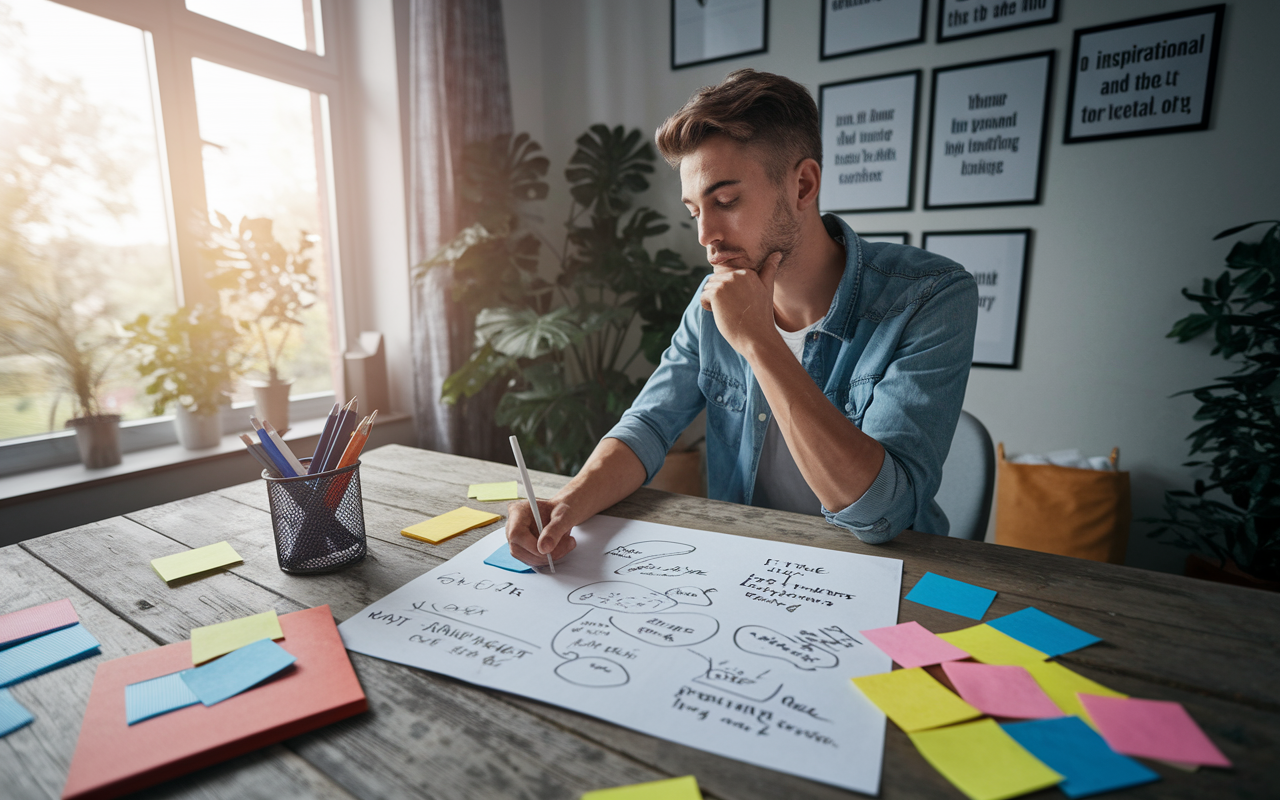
(237,671)
(489,492)
(28,623)
(912,645)
(1062,685)
(502,559)
(1044,632)
(990,646)
(1069,746)
(12,714)
(1000,691)
(983,761)
(685,788)
(44,653)
(951,595)
(157,696)
(914,700)
(195,562)
(1152,729)
(212,641)
(459,520)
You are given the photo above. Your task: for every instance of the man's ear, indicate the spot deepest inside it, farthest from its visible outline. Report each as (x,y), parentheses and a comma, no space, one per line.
(809,174)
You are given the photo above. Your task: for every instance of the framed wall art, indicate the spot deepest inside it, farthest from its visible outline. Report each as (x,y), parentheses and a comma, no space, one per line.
(850,27)
(869,142)
(960,19)
(998,261)
(703,31)
(888,238)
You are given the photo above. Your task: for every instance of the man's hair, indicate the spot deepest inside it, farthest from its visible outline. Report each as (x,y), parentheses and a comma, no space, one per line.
(761,109)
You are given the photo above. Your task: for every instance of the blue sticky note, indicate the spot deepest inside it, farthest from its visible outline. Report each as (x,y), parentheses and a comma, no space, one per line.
(502,559)
(1044,632)
(1069,746)
(237,671)
(12,714)
(157,696)
(44,653)
(951,595)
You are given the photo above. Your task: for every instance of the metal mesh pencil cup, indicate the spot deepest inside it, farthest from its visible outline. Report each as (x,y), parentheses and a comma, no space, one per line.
(318,520)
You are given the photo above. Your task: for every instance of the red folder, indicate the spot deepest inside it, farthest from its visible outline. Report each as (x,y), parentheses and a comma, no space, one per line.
(114,758)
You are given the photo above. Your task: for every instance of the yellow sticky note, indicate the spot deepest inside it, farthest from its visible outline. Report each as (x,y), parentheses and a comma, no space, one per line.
(194,562)
(983,761)
(1062,685)
(489,492)
(990,646)
(914,700)
(685,788)
(212,641)
(459,520)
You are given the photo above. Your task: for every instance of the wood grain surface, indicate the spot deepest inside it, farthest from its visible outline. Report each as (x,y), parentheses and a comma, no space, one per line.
(1212,647)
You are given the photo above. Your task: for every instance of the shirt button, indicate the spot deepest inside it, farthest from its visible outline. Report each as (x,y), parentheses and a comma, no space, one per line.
(719,398)
(762,417)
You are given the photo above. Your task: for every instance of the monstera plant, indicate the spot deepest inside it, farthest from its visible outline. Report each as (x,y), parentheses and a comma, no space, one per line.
(1234,516)
(562,339)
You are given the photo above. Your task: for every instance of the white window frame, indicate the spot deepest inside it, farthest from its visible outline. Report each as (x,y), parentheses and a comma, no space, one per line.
(174,37)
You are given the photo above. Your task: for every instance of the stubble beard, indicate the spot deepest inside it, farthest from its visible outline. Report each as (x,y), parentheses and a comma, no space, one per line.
(781,236)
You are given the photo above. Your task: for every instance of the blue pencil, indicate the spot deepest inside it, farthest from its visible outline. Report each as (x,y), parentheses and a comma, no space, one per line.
(326,438)
(346,423)
(277,458)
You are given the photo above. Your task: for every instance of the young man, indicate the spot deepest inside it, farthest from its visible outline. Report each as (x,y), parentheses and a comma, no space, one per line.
(832,370)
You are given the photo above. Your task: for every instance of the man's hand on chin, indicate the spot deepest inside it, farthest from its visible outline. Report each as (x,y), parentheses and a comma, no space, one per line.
(742,302)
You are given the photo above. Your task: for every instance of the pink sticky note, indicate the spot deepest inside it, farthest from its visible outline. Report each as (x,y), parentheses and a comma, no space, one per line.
(31,622)
(1152,729)
(912,645)
(1001,691)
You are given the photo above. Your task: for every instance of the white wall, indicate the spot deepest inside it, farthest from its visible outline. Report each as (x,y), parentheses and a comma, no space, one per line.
(1123,227)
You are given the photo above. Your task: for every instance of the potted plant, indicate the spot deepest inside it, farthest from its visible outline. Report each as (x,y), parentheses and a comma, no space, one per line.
(265,286)
(1234,517)
(70,337)
(562,350)
(191,358)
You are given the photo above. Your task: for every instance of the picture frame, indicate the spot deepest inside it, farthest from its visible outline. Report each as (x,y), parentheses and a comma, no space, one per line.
(897,237)
(1005,103)
(852,28)
(1178,96)
(706,31)
(956,18)
(869,131)
(998,261)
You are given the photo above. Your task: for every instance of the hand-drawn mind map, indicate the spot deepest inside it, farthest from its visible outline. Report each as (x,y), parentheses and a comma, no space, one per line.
(737,646)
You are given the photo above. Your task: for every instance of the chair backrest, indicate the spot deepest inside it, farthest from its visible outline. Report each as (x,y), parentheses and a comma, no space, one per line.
(968,479)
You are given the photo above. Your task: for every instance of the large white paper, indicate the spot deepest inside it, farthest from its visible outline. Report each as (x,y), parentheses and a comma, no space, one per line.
(736,646)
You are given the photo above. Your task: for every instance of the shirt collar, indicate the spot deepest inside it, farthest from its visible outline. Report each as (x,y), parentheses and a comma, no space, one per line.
(836,322)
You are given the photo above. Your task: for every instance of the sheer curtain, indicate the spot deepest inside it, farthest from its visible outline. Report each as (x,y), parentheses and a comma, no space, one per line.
(458,93)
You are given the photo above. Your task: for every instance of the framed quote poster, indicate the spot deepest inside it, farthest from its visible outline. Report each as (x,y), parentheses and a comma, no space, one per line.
(998,261)
(1143,76)
(703,31)
(869,142)
(986,135)
(887,238)
(860,26)
(960,19)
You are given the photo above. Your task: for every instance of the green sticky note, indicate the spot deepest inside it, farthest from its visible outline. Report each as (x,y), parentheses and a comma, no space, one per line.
(211,641)
(983,761)
(914,700)
(685,788)
(195,562)
(990,646)
(491,492)
(1062,685)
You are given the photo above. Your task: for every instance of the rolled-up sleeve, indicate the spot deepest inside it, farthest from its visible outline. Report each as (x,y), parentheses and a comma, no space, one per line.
(914,410)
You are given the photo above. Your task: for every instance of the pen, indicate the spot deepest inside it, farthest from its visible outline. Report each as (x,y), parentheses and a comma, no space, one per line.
(260,456)
(269,447)
(284,449)
(342,429)
(528,490)
(322,446)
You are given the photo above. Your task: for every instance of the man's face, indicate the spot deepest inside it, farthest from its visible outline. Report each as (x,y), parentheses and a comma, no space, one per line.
(743,216)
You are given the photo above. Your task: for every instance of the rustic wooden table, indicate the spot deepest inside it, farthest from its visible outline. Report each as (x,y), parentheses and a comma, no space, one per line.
(1214,648)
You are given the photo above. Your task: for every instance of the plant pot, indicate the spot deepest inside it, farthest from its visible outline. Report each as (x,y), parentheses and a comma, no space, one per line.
(198,431)
(1198,566)
(681,473)
(271,402)
(98,439)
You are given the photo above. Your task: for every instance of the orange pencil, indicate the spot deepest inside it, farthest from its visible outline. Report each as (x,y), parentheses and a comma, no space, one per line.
(358,439)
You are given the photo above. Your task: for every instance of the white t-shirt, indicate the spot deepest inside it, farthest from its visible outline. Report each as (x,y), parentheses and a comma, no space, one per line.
(779,483)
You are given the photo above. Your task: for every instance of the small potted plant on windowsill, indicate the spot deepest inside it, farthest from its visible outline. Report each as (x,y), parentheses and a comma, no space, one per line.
(70,337)
(192,358)
(266,287)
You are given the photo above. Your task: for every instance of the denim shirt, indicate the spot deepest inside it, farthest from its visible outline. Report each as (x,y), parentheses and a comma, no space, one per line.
(892,353)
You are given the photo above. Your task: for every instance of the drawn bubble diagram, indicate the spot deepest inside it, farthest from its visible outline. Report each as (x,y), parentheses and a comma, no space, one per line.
(761,641)
(621,618)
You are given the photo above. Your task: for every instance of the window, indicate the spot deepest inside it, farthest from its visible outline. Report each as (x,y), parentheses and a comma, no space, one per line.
(120,128)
